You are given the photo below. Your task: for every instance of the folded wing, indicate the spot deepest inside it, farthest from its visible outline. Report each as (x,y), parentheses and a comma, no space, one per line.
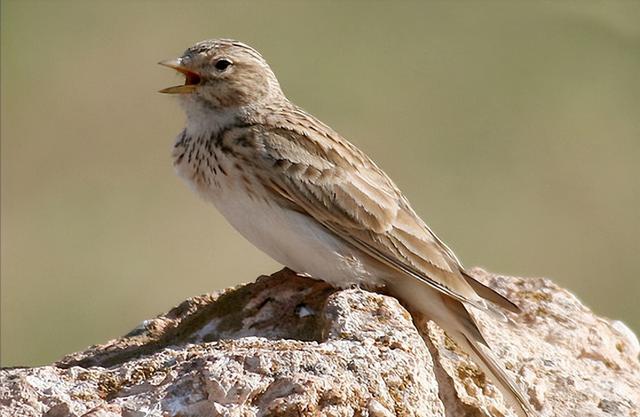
(323,175)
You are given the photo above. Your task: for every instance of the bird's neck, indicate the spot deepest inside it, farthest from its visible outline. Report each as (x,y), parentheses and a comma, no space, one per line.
(206,121)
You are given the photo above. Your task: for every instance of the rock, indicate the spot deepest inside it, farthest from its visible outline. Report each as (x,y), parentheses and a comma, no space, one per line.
(291,346)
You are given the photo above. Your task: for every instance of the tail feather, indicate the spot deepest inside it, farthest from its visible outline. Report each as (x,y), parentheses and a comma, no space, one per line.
(456,321)
(490,294)
(482,356)
(462,328)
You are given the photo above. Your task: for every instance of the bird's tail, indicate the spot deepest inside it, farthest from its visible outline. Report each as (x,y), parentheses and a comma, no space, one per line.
(483,357)
(456,321)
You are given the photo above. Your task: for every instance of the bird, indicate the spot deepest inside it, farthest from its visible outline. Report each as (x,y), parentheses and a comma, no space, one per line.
(313,201)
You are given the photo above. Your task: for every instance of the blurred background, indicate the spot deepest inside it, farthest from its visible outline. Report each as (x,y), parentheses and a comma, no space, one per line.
(513,127)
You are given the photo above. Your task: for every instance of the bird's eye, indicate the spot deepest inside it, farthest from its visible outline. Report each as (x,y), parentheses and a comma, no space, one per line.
(222,64)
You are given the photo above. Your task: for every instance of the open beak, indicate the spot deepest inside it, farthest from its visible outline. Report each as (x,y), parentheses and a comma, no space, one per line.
(191,78)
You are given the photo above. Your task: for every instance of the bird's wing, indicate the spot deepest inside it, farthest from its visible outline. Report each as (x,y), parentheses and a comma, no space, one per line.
(328,178)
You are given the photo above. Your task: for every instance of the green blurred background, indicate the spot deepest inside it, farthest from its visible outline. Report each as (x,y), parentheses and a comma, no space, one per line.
(513,127)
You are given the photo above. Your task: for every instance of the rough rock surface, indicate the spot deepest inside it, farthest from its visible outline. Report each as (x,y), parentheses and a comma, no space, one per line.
(291,346)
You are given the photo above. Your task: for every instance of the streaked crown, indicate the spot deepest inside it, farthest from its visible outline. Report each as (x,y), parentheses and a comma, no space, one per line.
(223,73)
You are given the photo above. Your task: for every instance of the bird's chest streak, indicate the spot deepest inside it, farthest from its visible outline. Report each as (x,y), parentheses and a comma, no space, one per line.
(214,161)
(289,237)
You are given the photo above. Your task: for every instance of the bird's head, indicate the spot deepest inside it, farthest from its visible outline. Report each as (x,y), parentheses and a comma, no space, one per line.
(222,74)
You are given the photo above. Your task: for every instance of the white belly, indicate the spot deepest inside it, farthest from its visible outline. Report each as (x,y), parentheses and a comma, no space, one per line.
(295,240)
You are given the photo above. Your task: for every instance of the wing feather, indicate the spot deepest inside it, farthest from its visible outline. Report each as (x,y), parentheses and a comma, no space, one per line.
(326,177)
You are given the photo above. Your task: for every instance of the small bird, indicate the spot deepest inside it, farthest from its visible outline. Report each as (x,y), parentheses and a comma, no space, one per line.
(314,202)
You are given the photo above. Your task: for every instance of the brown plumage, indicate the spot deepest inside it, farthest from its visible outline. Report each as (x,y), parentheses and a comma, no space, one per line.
(315,202)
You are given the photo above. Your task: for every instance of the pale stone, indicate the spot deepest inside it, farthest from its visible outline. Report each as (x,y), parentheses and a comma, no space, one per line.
(291,346)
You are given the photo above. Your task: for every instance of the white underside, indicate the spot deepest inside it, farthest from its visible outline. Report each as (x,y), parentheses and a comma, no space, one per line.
(294,240)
